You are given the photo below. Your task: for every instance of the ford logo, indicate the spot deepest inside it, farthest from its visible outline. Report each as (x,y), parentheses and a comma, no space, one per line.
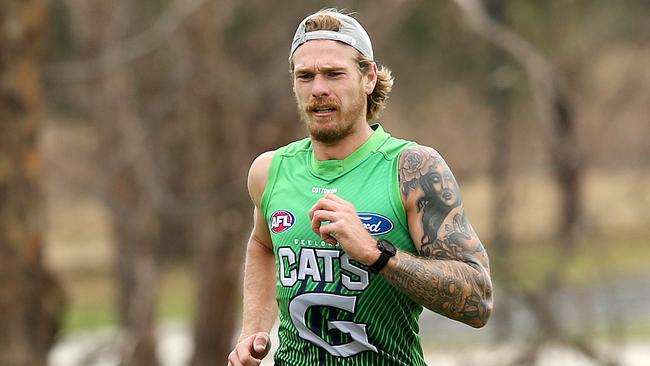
(376,224)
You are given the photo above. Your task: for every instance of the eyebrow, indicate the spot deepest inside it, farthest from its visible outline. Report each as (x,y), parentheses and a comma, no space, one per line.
(322,69)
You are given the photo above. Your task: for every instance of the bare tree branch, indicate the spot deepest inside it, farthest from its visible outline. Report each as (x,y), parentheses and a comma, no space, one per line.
(118,54)
(545,86)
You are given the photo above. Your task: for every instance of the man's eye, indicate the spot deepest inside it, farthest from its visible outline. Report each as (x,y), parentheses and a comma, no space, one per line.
(334,74)
(305,76)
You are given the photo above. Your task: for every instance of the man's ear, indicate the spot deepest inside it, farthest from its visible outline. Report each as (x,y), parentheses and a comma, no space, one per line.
(371,79)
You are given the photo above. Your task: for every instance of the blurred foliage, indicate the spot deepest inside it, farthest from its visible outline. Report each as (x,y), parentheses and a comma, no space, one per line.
(450,88)
(60,43)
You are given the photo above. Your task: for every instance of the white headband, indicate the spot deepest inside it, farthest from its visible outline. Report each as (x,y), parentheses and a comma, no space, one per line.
(350,32)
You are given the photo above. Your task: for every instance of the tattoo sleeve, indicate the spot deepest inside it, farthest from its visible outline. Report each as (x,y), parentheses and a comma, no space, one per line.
(450,275)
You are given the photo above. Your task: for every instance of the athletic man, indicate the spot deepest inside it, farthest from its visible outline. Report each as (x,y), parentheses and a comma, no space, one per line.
(354,230)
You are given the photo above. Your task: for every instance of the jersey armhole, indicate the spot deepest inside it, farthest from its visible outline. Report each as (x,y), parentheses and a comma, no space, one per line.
(271,180)
(282,152)
(395,193)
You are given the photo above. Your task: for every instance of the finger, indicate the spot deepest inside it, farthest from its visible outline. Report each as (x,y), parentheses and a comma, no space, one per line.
(333,197)
(234,362)
(313,208)
(319,218)
(329,232)
(338,201)
(331,240)
(240,356)
(261,345)
(233,359)
(324,204)
(326,231)
(244,356)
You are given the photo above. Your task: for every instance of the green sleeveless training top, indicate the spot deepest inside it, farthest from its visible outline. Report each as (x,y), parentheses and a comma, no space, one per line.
(333,310)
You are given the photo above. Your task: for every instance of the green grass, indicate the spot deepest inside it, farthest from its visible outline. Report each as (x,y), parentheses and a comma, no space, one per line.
(92,303)
(593,261)
(177,294)
(99,316)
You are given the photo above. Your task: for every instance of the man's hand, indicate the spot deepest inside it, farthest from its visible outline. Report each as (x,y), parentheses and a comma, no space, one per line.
(251,350)
(344,227)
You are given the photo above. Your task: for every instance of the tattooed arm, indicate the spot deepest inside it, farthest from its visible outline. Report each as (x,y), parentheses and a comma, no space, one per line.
(450,275)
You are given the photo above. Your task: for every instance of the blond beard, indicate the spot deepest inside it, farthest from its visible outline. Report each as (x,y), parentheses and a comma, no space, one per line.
(331,134)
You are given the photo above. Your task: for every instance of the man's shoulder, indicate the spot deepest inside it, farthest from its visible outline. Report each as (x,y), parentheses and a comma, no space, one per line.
(422,149)
(261,168)
(262,162)
(258,174)
(416,159)
(295,147)
(393,146)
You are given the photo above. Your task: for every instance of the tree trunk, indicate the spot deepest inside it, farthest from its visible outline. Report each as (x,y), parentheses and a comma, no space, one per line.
(129,185)
(131,194)
(31,301)
(499,97)
(501,186)
(219,262)
(221,158)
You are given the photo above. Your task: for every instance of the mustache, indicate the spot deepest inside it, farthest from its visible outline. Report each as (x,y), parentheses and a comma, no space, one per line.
(321,103)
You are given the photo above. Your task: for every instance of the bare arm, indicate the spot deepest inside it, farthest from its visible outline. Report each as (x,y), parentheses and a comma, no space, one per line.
(260,307)
(450,275)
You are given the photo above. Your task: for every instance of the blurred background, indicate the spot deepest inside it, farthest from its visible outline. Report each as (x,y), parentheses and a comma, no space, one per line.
(127,129)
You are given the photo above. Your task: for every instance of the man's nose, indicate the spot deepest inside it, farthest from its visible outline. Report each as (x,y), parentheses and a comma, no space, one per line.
(320,86)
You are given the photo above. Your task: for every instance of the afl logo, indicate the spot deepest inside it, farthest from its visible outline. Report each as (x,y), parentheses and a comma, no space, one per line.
(282,220)
(376,224)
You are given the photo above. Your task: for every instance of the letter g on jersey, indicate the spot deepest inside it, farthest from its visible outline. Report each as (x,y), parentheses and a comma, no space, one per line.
(298,309)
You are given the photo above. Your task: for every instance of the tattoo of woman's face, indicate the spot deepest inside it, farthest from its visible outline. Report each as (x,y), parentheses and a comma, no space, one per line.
(445,187)
(440,192)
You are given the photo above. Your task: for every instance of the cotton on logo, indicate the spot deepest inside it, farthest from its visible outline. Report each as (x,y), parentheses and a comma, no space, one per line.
(281,221)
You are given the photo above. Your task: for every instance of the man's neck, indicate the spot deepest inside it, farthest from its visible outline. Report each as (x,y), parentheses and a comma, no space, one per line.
(342,149)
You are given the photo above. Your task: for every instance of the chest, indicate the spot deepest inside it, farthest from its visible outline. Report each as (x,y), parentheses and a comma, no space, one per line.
(296,190)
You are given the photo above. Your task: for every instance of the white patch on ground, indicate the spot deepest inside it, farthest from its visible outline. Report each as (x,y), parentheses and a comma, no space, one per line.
(100,348)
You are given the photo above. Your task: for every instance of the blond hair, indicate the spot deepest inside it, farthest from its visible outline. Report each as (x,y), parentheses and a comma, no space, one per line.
(376,101)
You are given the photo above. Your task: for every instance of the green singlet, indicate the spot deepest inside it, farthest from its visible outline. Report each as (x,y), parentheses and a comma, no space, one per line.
(333,310)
